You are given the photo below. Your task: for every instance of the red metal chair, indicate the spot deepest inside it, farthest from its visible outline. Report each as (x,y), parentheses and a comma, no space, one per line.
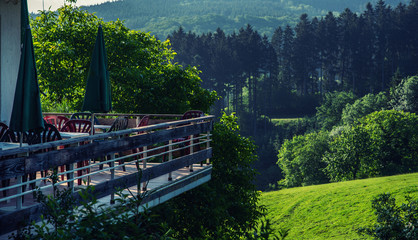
(192,114)
(144,121)
(78,125)
(185,151)
(57,121)
(188,115)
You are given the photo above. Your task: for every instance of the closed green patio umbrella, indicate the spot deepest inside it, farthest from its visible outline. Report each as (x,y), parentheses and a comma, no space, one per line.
(27,111)
(98,96)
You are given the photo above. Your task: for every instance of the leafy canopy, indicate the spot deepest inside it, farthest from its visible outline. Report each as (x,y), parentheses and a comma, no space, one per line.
(329,113)
(227,206)
(382,143)
(301,159)
(363,106)
(142,74)
(405,95)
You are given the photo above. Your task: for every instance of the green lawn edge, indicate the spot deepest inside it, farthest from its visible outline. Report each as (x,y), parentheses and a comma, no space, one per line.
(335,210)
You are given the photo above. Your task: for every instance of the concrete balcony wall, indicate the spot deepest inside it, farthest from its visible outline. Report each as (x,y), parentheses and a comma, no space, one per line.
(9,55)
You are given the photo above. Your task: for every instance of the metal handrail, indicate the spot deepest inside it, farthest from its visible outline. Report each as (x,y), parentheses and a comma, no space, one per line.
(152,130)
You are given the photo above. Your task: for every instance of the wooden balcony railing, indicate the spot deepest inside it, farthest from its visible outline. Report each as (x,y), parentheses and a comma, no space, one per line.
(151,152)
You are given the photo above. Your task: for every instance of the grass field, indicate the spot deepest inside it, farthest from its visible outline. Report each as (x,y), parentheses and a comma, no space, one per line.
(276,121)
(333,211)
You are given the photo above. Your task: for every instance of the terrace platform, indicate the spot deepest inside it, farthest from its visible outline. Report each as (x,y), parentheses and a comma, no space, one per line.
(168,167)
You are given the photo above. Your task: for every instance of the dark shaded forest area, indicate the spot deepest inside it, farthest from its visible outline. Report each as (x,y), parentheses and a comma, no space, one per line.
(286,76)
(162,17)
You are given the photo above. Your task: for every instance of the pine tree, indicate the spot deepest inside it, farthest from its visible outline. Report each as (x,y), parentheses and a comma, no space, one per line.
(303,54)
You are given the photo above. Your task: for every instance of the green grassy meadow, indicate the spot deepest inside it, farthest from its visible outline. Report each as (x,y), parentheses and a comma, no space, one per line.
(276,121)
(333,211)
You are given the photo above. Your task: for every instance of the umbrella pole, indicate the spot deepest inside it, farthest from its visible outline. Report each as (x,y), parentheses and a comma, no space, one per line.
(21,139)
(91,133)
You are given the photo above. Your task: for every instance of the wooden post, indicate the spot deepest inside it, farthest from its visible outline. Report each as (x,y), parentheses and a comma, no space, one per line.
(191,151)
(144,165)
(170,157)
(89,161)
(19,200)
(71,176)
(208,146)
(112,176)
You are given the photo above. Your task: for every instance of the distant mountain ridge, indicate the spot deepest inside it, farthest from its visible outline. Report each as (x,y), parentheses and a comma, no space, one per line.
(162,17)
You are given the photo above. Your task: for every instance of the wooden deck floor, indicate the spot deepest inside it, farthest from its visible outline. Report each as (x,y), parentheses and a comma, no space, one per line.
(157,143)
(10,205)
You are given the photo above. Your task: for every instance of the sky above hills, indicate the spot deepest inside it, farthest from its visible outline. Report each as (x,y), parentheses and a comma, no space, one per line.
(36,5)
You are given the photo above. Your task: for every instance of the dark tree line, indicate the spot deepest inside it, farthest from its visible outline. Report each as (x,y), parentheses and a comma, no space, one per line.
(289,74)
(162,17)
(285,75)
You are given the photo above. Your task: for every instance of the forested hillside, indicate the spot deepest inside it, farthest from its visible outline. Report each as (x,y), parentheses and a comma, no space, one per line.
(366,49)
(298,70)
(161,17)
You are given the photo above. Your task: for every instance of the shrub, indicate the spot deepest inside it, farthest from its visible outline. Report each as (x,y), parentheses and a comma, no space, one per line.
(363,106)
(227,206)
(301,159)
(404,97)
(329,113)
(141,71)
(380,144)
(394,222)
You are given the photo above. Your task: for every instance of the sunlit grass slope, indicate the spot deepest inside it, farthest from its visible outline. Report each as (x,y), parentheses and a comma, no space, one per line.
(283,120)
(333,211)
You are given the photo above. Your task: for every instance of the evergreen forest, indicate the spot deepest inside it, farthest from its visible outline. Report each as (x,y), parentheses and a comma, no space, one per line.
(275,63)
(308,72)
(161,17)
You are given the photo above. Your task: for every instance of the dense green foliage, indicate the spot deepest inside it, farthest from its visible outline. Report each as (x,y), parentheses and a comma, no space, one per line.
(301,159)
(336,210)
(363,106)
(286,76)
(381,144)
(271,134)
(329,113)
(289,75)
(365,140)
(161,17)
(226,207)
(393,221)
(142,74)
(347,52)
(405,95)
